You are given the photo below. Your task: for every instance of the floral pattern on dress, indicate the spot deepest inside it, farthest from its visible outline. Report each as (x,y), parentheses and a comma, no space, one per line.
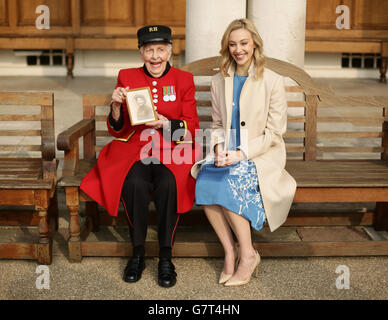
(244,186)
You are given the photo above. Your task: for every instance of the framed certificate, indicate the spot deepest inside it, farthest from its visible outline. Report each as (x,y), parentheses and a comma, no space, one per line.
(140,106)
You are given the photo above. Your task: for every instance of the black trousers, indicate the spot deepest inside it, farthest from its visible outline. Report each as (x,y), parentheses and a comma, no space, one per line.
(140,182)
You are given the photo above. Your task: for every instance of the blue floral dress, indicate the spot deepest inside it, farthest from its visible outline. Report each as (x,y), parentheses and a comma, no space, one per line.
(234,187)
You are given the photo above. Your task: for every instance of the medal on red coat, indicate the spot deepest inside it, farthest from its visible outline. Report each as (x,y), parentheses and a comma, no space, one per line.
(169,93)
(166,94)
(173,95)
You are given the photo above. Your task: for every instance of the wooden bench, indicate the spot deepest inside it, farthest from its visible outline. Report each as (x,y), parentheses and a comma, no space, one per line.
(313,148)
(28,173)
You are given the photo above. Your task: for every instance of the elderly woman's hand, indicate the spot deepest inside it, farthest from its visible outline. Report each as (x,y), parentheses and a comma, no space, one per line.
(118,97)
(160,123)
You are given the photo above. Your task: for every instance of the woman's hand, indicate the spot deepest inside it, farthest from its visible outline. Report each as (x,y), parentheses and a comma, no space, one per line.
(234,157)
(160,123)
(228,158)
(219,156)
(118,97)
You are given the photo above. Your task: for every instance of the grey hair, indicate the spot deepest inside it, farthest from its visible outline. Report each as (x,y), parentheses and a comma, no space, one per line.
(169,47)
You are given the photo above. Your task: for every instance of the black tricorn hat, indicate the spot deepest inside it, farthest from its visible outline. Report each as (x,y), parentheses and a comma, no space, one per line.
(154,33)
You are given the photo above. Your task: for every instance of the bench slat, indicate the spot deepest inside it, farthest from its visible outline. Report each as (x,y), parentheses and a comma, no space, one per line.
(351,149)
(20,147)
(204,103)
(296,119)
(20,133)
(294,134)
(18,170)
(20,163)
(26,184)
(100,118)
(341,164)
(293,149)
(201,88)
(27,99)
(339,173)
(358,120)
(205,118)
(356,134)
(20,117)
(103,133)
(20,176)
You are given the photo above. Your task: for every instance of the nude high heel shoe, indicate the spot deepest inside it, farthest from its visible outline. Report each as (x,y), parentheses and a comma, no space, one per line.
(235,282)
(225,277)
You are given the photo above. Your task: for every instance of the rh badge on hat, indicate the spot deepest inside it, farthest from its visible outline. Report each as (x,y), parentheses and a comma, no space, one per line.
(154,33)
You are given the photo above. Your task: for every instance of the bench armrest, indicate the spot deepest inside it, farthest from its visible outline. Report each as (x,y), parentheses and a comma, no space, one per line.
(69,137)
(68,141)
(383,101)
(384,143)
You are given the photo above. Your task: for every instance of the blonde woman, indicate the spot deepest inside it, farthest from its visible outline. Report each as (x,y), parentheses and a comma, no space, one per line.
(243,183)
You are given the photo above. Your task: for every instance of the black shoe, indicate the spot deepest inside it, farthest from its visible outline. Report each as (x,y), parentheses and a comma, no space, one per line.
(166,273)
(134,269)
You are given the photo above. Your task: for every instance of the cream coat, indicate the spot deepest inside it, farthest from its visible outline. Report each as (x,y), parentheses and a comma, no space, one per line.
(263,109)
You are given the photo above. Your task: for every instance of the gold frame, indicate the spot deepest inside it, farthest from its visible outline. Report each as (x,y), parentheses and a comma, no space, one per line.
(130,94)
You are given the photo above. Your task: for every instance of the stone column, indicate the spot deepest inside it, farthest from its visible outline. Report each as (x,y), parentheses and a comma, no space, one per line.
(206,21)
(282,26)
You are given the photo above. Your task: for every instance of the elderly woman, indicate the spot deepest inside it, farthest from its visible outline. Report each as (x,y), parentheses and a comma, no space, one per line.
(140,161)
(244,182)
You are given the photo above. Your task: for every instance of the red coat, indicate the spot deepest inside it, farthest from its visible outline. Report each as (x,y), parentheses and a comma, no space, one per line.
(104,182)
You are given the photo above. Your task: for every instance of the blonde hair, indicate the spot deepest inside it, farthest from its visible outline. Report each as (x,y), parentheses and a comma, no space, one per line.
(258,56)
